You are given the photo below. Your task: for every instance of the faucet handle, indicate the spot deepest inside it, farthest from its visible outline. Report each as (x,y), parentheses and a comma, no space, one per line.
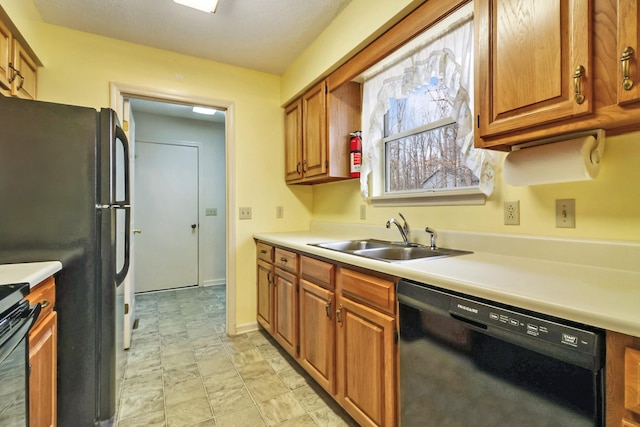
(433,234)
(406,224)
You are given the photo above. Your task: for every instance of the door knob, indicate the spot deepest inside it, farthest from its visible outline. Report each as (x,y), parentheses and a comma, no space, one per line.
(137,231)
(193,226)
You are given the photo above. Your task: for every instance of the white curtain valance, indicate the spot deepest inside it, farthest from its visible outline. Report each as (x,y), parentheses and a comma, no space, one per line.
(439,59)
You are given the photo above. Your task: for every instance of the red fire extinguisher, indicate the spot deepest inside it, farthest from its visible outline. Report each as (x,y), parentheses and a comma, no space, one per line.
(356,153)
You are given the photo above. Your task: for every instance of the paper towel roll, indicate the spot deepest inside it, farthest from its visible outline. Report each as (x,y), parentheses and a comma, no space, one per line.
(564,161)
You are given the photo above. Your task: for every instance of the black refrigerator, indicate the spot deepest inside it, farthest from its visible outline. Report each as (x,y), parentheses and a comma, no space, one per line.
(64,195)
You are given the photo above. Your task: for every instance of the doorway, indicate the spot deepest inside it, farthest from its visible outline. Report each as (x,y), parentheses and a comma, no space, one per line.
(166,216)
(119,94)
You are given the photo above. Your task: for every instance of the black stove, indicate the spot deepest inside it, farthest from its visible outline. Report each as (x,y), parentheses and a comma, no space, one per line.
(11,294)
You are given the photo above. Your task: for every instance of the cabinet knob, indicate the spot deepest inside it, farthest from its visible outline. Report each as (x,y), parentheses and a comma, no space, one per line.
(577,77)
(627,53)
(328,308)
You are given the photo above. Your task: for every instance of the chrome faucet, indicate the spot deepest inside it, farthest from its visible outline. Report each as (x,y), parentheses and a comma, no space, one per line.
(404,228)
(433,235)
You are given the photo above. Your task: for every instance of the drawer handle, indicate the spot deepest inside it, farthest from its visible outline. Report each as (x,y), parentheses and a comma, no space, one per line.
(339,315)
(283,259)
(627,53)
(328,308)
(45,303)
(263,251)
(577,77)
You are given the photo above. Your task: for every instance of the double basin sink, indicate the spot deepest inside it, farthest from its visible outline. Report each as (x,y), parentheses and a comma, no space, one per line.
(388,251)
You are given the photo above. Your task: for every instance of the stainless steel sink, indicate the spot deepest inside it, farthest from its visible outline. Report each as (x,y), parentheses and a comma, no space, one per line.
(388,251)
(353,245)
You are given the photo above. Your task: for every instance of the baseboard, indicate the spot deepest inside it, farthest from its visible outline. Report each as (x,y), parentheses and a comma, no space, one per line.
(214,282)
(246,327)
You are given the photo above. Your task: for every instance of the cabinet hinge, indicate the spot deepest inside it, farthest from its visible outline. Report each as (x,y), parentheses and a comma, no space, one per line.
(326,89)
(326,164)
(298,348)
(396,336)
(126,309)
(478,121)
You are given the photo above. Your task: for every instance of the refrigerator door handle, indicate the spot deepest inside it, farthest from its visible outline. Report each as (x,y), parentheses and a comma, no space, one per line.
(120,275)
(122,136)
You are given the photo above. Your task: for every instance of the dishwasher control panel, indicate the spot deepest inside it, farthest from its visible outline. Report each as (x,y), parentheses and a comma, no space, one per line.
(483,316)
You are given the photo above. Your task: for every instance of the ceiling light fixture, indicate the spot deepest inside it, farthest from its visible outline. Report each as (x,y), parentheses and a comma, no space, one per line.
(204,110)
(208,6)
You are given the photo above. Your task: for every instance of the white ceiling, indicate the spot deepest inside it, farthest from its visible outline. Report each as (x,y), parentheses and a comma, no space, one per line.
(263,35)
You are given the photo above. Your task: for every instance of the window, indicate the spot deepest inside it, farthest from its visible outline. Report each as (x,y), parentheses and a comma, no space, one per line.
(418,126)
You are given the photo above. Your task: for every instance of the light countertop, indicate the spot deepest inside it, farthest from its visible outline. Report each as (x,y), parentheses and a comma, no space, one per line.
(28,272)
(591,282)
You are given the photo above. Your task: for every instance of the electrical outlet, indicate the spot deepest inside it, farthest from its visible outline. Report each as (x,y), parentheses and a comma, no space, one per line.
(512,213)
(566,213)
(211,212)
(245,213)
(279,212)
(363,211)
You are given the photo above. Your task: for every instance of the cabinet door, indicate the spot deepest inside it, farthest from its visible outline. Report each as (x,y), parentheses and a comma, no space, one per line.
(317,333)
(529,54)
(24,85)
(366,363)
(628,87)
(293,142)
(285,324)
(6,41)
(314,125)
(265,295)
(42,380)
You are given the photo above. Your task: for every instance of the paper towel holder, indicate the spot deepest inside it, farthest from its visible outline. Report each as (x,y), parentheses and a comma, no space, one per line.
(596,151)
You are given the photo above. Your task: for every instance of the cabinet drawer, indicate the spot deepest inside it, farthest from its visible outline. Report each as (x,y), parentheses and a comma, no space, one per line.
(319,272)
(45,294)
(371,290)
(287,260)
(265,252)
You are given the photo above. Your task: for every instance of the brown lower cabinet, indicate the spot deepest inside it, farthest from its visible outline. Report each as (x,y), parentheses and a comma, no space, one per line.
(43,341)
(623,380)
(338,323)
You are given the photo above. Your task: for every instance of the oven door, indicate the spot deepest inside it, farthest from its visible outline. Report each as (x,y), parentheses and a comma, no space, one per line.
(14,365)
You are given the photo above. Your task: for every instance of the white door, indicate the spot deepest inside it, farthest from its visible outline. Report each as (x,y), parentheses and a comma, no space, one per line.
(166,216)
(129,283)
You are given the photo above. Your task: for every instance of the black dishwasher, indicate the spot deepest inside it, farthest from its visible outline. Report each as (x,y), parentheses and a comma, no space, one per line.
(467,361)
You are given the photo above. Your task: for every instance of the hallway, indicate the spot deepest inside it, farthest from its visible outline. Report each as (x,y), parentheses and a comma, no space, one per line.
(182,370)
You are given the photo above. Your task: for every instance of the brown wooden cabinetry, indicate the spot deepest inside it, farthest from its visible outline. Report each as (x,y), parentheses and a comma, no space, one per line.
(265,278)
(366,351)
(18,66)
(317,321)
(43,357)
(339,324)
(285,297)
(528,54)
(317,128)
(547,69)
(623,380)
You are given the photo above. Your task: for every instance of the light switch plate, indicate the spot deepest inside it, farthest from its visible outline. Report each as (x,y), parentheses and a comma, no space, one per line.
(211,211)
(245,213)
(566,213)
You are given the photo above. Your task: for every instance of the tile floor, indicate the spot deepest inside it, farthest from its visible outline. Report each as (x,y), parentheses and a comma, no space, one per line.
(183,370)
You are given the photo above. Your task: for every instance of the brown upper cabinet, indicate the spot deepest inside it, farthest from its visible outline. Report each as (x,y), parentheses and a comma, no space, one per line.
(317,128)
(548,68)
(18,65)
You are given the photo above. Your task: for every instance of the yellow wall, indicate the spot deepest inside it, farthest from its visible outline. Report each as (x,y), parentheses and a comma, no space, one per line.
(606,208)
(78,68)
